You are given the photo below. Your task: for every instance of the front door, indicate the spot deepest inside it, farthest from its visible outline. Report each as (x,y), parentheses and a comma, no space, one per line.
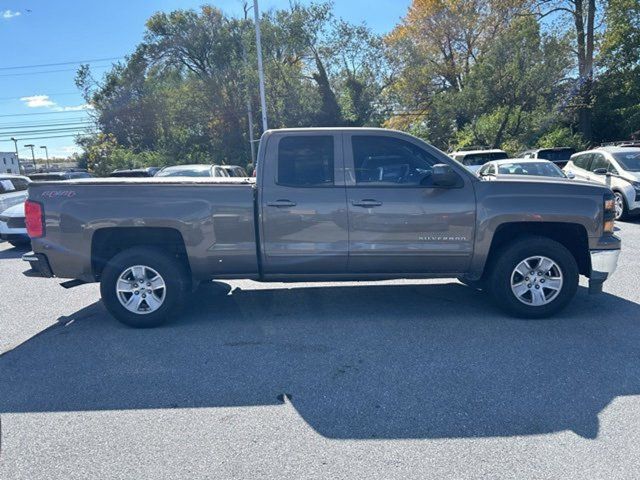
(399,221)
(303,201)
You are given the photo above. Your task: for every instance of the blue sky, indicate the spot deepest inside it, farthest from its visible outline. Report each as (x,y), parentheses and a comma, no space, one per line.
(45,32)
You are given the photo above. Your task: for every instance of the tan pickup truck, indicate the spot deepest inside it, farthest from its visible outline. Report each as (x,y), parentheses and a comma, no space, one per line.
(327,204)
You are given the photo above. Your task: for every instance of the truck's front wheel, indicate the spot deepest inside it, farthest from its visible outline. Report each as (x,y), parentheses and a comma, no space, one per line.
(143,287)
(534,277)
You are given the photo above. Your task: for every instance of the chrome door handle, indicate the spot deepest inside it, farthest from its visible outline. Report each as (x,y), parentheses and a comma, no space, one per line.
(281,204)
(366,203)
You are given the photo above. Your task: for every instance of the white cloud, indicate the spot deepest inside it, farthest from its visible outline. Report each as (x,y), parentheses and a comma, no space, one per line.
(10,14)
(38,101)
(74,108)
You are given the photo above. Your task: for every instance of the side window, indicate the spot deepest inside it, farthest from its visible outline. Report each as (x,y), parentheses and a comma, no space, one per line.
(305,161)
(598,162)
(20,183)
(380,160)
(582,161)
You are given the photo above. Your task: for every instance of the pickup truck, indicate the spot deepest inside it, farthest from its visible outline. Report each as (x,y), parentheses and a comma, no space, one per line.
(327,205)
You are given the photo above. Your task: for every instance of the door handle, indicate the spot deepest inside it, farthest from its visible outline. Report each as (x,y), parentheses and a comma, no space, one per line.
(366,203)
(281,204)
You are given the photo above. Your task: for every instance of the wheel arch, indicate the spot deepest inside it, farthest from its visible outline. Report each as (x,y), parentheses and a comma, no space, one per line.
(572,236)
(108,242)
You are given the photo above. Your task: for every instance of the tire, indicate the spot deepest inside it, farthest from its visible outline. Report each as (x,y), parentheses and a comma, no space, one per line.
(534,302)
(166,279)
(622,210)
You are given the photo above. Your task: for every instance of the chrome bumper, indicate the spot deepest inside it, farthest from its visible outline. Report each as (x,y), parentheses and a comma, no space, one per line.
(603,264)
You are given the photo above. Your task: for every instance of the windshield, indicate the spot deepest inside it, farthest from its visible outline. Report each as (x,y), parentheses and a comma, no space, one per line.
(558,154)
(474,159)
(539,169)
(630,161)
(204,171)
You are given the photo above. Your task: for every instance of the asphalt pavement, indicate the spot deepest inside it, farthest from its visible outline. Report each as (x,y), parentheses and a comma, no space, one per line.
(404,379)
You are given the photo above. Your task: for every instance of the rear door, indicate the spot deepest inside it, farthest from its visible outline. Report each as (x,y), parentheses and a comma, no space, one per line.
(399,222)
(303,203)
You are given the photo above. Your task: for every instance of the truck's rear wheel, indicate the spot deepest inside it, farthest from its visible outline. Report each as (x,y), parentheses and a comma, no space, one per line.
(143,287)
(534,277)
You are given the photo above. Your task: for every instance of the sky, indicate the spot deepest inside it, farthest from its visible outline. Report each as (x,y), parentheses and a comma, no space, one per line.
(42,42)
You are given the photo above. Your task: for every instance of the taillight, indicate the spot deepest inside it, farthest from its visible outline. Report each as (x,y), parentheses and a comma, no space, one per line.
(609,213)
(34,219)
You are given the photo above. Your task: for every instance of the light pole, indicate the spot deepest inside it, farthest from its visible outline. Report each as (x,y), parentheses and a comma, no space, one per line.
(33,155)
(263,99)
(15,144)
(46,151)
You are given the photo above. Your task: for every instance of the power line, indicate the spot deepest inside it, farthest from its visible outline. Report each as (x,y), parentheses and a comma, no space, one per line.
(48,71)
(70,121)
(39,113)
(7,139)
(20,133)
(77,62)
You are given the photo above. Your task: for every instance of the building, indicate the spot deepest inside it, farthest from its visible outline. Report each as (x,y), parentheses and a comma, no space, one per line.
(9,163)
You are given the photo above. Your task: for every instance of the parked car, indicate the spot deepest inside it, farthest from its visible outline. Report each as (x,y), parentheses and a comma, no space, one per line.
(328,204)
(519,166)
(474,159)
(193,171)
(12,226)
(617,167)
(135,172)
(558,155)
(235,171)
(57,176)
(13,190)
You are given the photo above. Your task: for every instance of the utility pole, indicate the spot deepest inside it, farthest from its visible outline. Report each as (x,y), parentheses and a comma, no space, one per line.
(248,94)
(263,99)
(46,151)
(33,155)
(15,144)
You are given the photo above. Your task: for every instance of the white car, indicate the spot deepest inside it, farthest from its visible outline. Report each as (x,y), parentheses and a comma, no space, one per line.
(12,226)
(520,166)
(474,159)
(617,167)
(13,190)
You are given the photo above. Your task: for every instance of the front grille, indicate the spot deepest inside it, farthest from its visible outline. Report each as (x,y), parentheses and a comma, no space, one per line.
(4,219)
(16,222)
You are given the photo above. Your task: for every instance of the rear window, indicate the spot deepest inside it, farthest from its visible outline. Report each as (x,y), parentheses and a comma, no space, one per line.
(305,161)
(475,159)
(538,169)
(557,154)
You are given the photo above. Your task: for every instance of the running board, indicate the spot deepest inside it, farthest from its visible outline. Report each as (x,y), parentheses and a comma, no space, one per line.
(72,283)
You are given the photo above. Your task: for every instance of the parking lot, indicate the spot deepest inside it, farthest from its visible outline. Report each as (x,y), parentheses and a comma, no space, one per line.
(404,379)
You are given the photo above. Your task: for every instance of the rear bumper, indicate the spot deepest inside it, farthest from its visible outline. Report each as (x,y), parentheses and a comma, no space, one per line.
(603,264)
(39,264)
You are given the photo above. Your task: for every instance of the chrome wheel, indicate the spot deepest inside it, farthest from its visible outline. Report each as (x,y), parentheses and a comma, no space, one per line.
(619,204)
(536,281)
(140,289)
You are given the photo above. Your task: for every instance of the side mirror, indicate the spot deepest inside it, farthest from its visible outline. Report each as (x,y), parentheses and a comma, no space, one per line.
(600,171)
(444,176)
(571,175)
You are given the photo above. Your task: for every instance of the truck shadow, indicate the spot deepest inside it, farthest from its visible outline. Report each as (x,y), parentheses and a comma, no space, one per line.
(413,361)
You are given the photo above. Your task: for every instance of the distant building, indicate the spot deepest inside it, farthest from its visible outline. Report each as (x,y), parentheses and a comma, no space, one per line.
(9,163)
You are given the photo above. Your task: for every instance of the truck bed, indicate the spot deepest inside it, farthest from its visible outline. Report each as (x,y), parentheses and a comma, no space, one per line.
(215,219)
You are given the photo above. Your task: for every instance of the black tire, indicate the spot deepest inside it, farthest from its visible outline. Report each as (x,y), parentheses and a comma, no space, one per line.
(172,271)
(502,270)
(625,207)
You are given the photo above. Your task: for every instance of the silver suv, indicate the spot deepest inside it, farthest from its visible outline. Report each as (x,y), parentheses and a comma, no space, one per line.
(617,167)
